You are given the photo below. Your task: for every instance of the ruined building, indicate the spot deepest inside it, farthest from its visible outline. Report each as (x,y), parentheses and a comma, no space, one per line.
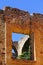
(15,20)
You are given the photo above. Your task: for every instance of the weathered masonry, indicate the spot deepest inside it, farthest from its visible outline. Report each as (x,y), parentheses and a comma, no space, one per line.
(15,20)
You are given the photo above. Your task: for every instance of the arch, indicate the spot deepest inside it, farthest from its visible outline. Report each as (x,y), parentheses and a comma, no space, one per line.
(21,43)
(26,46)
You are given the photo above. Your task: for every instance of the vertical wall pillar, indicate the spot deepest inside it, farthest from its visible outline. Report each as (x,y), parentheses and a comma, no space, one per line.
(2,41)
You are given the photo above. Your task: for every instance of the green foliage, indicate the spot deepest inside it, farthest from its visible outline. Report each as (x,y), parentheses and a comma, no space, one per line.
(24,55)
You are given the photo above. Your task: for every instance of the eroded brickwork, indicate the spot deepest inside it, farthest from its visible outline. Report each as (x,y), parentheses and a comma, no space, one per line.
(2,41)
(21,22)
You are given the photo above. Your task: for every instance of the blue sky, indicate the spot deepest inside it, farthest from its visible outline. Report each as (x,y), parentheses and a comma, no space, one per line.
(28,5)
(16,36)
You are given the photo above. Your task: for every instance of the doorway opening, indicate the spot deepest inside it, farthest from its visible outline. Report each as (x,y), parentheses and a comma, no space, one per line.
(21,47)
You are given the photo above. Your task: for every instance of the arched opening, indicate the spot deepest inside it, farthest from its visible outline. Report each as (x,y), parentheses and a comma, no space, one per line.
(26,46)
(26,50)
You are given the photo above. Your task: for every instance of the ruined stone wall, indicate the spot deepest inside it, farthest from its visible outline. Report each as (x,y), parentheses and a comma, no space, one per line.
(20,22)
(2,42)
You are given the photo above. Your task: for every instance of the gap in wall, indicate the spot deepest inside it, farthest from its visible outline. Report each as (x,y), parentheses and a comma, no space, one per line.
(20,46)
